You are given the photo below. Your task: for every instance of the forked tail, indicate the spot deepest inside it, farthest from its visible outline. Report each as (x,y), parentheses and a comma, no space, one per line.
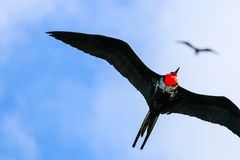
(148,124)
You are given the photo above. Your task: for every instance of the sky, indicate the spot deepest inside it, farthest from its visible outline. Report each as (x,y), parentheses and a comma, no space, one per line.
(59,103)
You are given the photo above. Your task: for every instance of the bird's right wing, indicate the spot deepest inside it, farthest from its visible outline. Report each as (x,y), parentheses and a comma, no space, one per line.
(116,52)
(208,50)
(215,109)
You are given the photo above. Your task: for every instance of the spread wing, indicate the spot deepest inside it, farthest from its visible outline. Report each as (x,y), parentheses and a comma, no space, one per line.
(208,50)
(215,109)
(187,43)
(116,52)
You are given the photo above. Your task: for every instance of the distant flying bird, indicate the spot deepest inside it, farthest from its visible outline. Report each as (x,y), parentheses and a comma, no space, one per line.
(197,50)
(161,92)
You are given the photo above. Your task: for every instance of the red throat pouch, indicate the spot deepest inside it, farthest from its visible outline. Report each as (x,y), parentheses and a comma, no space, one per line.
(171,79)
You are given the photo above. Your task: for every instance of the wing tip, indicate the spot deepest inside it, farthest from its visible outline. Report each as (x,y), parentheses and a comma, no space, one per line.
(57,34)
(51,33)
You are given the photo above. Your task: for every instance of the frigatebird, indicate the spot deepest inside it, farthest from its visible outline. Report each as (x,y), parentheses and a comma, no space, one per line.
(197,50)
(162,93)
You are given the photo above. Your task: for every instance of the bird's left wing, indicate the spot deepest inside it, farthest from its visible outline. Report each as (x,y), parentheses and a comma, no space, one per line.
(187,43)
(215,109)
(116,52)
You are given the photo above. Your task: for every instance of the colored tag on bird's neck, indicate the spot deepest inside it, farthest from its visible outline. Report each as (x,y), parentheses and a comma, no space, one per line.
(171,79)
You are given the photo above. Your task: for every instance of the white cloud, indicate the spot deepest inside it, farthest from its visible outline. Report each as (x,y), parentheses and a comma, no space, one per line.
(15,15)
(17,139)
(18,17)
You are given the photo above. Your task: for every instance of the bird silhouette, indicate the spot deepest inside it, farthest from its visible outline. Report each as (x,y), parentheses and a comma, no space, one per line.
(197,50)
(162,93)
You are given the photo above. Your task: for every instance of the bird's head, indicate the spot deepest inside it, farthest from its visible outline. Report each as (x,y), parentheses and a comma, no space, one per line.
(171,78)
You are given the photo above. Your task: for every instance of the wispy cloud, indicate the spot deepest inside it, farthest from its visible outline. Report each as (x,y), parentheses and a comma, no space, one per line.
(16,140)
(17,18)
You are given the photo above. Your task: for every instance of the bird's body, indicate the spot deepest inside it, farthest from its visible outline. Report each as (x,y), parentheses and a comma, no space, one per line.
(197,50)
(161,92)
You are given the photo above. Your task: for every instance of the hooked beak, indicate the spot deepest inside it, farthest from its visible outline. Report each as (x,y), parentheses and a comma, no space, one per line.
(177,70)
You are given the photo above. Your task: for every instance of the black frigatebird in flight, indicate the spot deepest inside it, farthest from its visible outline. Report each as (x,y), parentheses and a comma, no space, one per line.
(162,93)
(197,50)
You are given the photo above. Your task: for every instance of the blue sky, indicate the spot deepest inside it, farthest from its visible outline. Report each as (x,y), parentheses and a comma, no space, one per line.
(57,103)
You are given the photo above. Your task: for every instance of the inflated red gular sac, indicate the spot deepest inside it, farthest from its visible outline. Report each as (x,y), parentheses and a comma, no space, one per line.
(171,79)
